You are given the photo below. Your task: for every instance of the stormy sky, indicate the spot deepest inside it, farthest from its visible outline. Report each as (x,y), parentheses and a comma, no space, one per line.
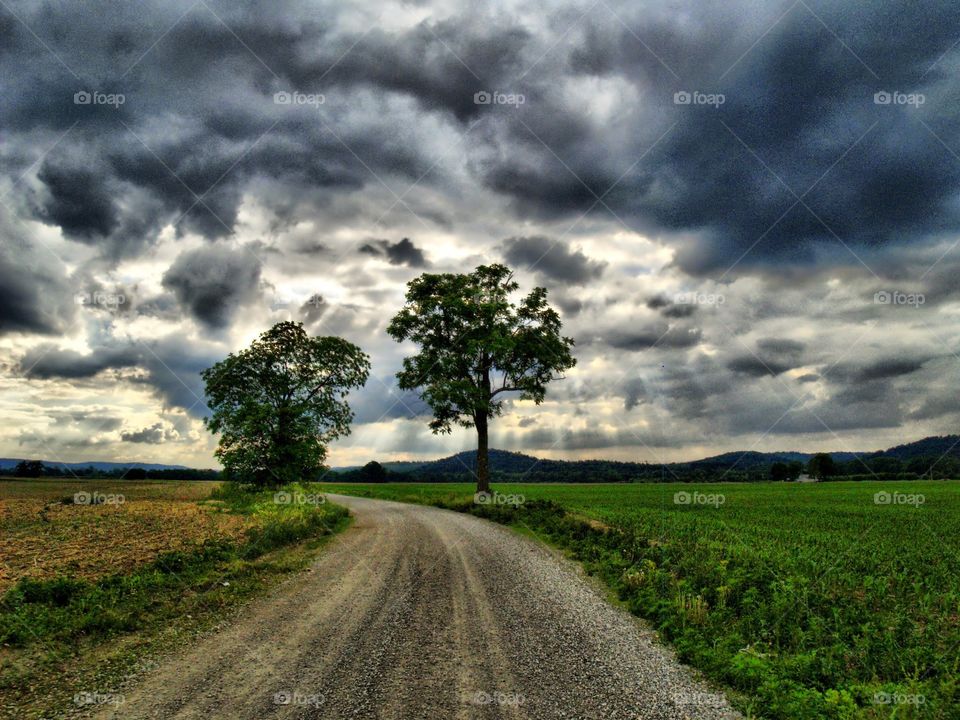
(746,213)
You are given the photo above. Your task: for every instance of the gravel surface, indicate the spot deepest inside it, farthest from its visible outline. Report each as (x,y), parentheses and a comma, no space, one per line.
(417,612)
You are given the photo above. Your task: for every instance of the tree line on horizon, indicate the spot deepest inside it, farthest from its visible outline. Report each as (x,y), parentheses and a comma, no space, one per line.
(507,466)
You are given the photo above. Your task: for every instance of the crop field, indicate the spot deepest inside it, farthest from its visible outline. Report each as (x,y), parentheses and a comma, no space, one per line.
(87,529)
(836,600)
(96,576)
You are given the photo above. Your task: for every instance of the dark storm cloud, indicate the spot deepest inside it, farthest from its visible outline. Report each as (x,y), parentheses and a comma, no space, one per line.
(402,252)
(313,309)
(730,176)
(798,119)
(156,434)
(883,369)
(79,202)
(773,356)
(211,282)
(35,295)
(199,122)
(757,367)
(551,259)
(386,402)
(656,336)
(46,361)
(169,367)
(635,393)
(669,309)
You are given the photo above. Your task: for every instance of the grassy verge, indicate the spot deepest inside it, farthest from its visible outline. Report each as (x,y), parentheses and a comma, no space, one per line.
(806,601)
(62,636)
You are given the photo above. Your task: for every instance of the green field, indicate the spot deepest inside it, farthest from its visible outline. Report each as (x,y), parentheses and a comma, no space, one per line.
(806,600)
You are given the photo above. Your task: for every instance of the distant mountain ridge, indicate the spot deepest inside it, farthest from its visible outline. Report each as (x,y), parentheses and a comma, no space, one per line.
(506,462)
(519,465)
(10,463)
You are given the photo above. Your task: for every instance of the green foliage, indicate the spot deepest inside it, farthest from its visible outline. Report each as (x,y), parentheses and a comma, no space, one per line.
(808,601)
(476,344)
(821,466)
(785,471)
(278,403)
(29,469)
(373,472)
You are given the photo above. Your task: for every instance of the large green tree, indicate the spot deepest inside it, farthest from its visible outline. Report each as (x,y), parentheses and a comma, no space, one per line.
(279,403)
(476,345)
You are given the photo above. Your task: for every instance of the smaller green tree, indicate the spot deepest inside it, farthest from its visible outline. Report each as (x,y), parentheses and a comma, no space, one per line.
(778,472)
(29,469)
(821,466)
(475,345)
(279,403)
(373,472)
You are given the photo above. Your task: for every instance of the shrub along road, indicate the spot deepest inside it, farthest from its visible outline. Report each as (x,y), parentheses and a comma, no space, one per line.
(418,612)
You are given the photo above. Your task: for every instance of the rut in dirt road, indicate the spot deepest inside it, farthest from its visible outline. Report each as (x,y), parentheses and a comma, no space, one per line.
(416,612)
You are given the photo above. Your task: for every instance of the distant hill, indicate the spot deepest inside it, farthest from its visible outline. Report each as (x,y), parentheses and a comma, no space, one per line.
(751,459)
(10,463)
(733,466)
(937,446)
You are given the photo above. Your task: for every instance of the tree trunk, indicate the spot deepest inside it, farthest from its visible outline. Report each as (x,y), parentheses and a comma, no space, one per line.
(483,467)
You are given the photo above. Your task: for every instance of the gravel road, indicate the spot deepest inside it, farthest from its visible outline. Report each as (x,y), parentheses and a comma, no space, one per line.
(416,612)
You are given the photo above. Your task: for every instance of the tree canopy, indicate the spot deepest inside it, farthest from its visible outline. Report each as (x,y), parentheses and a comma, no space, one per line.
(279,403)
(476,345)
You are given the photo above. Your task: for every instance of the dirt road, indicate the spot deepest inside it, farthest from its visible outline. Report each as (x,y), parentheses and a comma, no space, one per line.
(416,612)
